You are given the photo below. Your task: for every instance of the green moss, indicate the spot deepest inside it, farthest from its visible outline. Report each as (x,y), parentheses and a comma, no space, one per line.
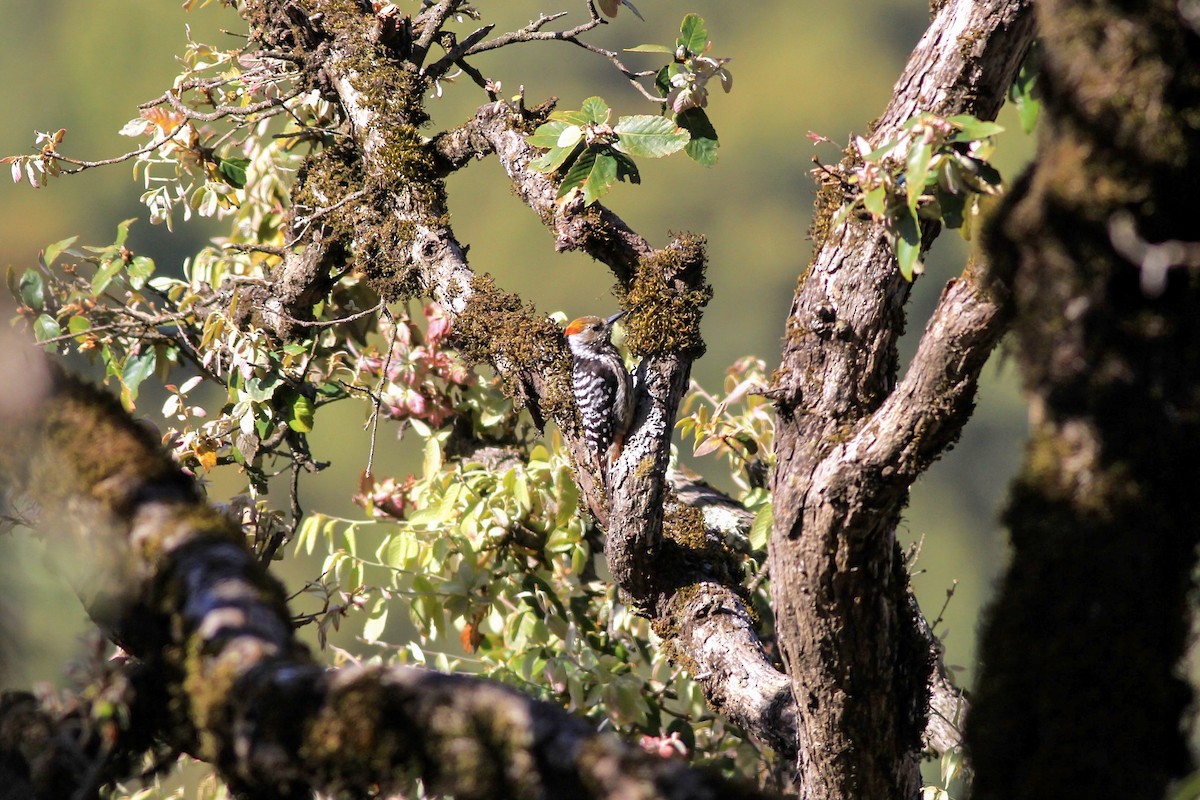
(498,328)
(967,42)
(89,445)
(666,300)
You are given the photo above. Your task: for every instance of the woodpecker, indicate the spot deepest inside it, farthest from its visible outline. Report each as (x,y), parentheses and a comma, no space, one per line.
(603,388)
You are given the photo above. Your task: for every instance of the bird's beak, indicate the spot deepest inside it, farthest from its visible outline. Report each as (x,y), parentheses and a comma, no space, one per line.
(614,318)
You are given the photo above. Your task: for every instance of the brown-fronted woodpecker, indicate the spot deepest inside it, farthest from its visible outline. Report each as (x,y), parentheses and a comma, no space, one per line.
(603,388)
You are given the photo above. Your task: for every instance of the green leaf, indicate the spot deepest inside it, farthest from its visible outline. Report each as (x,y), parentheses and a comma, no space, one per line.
(104,275)
(595,172)
(262,389)
(548,133)
(972,129)
(52,251)
(32,289)
(78,324)
(693,34)
(875,201)
(140,270)
(136,369)
(760,530)
(908,245)
(917,171)
(554,158)
(567,493)
(649,136)
(577,174)
(703,144)
(595,110)
(881,151)
(1028,109)
(570,117)
(233,170)
(662,80)
(300,415)
(376,621)
(44,327)
(651,48)
(123,232)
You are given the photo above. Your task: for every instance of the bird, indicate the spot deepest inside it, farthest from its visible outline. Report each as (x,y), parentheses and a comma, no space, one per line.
(602,386)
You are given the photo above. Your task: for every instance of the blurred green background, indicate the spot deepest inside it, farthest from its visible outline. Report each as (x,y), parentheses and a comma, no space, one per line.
(798,66)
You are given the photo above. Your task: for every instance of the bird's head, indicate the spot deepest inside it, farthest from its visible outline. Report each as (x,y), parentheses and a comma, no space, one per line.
(589,330)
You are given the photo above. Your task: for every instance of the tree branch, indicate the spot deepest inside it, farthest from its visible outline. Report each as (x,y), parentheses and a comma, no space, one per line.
(847,634)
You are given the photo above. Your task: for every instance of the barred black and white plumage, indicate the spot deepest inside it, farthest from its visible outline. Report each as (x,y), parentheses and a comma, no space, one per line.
(602,386)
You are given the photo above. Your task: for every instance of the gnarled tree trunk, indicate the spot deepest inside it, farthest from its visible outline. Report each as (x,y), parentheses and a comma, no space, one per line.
(1078,692)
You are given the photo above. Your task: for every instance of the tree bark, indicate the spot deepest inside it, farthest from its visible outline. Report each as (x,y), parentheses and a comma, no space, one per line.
(850,442)
(1079,693)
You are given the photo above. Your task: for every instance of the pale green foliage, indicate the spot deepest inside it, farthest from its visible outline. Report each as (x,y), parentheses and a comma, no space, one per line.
(740,424)
(492,572)
(935,169)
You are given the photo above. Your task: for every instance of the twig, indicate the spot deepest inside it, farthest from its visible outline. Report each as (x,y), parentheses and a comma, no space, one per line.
(220,112)
(432,25)
(82,165)
(377,395)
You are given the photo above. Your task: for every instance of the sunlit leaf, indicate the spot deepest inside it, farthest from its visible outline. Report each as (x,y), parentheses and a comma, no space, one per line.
(104,275)
(233,170)
(908,245)
(693,34)
(760,530)
(376,622)
(52,251)
(972,129)
(649,136)
(548,133)
(139,271)
(595,109)
(917,170)
(554,158)
(137,368)
(44,327)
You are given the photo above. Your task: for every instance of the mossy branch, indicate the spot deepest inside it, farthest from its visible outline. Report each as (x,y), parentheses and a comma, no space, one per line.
(173,581)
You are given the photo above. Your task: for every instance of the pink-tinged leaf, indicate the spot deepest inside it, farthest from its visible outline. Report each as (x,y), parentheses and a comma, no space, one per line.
(16,171)
(709,445)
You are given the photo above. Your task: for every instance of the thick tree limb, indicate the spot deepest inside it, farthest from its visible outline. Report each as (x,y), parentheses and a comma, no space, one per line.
(173,581)
(1090,699)
(857,662)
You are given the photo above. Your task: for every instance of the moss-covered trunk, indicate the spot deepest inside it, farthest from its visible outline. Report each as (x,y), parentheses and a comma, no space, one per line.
(1078,694)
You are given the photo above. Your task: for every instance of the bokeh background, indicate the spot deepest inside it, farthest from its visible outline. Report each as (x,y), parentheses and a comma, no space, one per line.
(798,65)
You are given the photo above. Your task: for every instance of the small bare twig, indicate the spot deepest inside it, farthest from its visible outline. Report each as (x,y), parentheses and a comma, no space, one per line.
(377,395)
(221,112)
(533,33)
(82,165)
(432,20)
